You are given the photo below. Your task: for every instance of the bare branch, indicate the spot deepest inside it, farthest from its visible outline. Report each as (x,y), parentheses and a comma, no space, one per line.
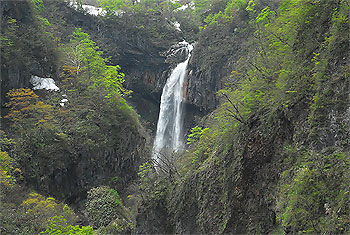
(235,114)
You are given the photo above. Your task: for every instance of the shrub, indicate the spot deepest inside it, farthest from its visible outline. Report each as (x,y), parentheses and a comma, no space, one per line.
(58,225)
(103,206)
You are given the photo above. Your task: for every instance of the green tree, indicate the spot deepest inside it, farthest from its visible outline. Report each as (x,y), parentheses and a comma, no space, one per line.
(6,169)
(58,225)
(112,7)
(91,68)
(106,211)
(196,133)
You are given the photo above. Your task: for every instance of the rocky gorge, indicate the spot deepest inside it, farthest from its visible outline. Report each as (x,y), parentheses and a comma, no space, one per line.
(266,117)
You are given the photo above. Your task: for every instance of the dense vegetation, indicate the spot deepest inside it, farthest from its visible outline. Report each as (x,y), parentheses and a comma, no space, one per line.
(272,156)
(54,136)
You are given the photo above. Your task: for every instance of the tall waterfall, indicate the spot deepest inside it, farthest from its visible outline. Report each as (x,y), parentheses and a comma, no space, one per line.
(170,121)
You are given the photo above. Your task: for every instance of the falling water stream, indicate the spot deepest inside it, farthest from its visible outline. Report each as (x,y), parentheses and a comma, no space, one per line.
(170,122)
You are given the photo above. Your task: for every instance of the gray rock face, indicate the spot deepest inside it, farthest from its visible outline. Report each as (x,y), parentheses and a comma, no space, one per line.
(31,56)
(70,172)
(176,54)
(208,68)
(202,87)
(70,178)
(225,197)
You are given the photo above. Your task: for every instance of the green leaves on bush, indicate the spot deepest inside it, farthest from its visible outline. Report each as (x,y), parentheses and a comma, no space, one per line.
(58,225)
(103,206)
(106,212)
(196,133)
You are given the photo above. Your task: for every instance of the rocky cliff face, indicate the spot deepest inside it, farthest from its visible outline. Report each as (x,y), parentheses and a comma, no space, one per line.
(66,169)
(142,58)
(34,54)
(239,187)
(147,64)
(213,58)
(232,193)
(68,176)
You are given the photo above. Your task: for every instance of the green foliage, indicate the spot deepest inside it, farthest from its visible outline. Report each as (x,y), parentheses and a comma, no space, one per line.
(228,12)
(88,54)
(326,97)
(207,143)
(38,5)
(107,213)
(113,82)
(272,79)
(117,227)
(44,21)
(33,212)
(103,206)
(251,6)
(38,9)
(265,16)
(5,142)
(84,55)
(6,169)
(154,181)
(145,169)
(7,37)
(58,225)
(196,133)
(111,7)
(315,195)
(25,43)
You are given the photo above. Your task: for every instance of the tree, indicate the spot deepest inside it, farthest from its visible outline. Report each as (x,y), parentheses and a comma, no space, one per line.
(6,169)
(106,211)
(27,109)
(112,7)
(85,60)
(58,225)
(86,54)
(196,133)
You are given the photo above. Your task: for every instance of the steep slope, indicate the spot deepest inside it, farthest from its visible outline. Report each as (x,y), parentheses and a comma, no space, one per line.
(79,137)
(275,154)
(272,156)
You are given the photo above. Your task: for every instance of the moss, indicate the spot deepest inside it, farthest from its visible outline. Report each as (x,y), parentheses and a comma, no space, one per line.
(313,195)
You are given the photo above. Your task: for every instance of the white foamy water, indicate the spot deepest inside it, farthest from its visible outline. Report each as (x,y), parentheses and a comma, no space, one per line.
(170,122)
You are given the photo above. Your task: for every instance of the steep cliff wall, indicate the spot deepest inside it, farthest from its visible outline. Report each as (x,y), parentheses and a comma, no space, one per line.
(90,142)
(25,49)
(275,155)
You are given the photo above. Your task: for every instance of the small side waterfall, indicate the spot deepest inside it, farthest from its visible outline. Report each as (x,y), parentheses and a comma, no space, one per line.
(170,121)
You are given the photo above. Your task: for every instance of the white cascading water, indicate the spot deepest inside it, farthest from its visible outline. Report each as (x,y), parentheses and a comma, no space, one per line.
(170,121)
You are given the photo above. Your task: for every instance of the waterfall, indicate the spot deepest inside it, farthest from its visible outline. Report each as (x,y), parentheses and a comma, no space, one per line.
(170,121)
